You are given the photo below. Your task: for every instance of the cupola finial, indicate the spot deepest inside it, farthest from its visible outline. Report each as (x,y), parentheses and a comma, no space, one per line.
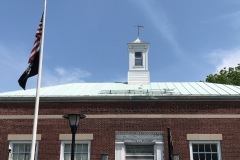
(138,26)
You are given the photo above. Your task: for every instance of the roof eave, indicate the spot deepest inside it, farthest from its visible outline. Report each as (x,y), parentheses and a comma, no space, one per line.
(122,98)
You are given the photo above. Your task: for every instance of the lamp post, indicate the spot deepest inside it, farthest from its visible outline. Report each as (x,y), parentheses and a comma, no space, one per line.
(73,122)
(9,154)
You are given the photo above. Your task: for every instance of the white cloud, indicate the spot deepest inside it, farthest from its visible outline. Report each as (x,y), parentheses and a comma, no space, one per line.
(62,75)
(13,62)
(60,71)
(225,58)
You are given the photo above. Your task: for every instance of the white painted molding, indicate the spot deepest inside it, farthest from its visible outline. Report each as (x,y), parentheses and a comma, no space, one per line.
(204,137)
(78,137)
(23,137)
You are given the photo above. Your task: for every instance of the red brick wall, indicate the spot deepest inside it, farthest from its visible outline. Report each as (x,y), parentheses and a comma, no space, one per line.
(143,107)
(103,130)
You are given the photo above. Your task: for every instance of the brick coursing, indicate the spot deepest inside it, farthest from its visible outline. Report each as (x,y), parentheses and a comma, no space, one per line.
(103,130)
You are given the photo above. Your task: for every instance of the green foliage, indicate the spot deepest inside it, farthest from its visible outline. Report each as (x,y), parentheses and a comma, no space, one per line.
(226,76)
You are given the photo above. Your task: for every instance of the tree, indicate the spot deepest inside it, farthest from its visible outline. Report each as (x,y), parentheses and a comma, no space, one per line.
(226,76)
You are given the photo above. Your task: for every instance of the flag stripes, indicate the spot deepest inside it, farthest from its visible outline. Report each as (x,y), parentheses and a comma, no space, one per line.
(33,61)
(37,42)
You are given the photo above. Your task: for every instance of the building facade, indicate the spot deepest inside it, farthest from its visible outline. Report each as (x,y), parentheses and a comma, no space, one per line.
(126,121)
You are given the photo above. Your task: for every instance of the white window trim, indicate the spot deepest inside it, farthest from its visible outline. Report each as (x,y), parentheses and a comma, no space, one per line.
(120,150)
(206,142)
(76,142)
(25,142)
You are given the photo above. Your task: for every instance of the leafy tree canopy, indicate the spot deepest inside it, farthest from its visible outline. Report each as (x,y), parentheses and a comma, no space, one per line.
(226,76)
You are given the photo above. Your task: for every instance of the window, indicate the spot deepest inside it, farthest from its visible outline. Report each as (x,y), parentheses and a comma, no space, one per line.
(138,59)
(140,152)
(81,151)
(205,150)
(139,145)
(21,150)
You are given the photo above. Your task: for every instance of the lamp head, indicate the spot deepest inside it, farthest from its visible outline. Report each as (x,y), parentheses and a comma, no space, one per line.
(74,119)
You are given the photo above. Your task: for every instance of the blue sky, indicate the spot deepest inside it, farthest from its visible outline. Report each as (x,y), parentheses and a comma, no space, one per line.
(86,40)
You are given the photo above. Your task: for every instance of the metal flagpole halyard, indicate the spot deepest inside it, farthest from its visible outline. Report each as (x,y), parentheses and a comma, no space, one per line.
(38,87)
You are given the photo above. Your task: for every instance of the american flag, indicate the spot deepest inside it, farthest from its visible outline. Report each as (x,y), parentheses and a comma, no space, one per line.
(37,42)
(33,61)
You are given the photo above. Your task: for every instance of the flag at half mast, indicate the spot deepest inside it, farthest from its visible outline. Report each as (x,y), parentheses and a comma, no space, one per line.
(33,61)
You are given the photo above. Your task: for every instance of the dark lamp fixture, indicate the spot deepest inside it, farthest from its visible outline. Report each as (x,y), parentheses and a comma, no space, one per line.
(74,119)
(73,122)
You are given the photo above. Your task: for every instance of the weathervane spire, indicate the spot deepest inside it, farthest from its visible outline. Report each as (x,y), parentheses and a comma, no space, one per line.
(139,26)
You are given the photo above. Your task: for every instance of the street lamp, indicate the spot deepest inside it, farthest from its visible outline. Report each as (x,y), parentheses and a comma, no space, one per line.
(73,122)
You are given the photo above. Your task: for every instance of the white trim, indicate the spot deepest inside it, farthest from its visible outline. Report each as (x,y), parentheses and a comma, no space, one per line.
(120,153)
(205,137)
(25,142)
(78,137)
(158,151)
(77,142)
(23,137)
(123,138)
(120,150)
(206,142)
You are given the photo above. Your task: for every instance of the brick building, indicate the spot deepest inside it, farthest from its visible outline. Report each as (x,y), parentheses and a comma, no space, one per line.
(126,121)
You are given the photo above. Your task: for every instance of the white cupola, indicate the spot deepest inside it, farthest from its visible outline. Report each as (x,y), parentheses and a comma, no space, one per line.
(138,62)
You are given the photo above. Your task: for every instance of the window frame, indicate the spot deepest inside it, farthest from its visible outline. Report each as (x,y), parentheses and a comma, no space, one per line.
(205,142)
(11,143)
(138,58)
(76,142)
(148,154)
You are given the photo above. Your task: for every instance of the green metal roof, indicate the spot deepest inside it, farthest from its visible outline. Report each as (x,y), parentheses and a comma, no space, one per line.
(121,90)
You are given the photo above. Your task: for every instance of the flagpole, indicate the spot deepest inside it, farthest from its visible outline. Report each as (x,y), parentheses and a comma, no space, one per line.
(38,87)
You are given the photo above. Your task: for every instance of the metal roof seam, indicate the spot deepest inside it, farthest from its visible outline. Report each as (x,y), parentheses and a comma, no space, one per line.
(194,88)
(231,88)
(176,88)
(203,88)
(215,89)
(186,88)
